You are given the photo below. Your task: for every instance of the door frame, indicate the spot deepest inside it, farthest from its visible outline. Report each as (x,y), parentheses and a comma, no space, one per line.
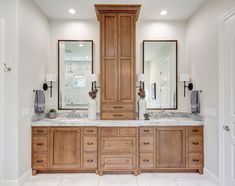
(2,26)
(222,24)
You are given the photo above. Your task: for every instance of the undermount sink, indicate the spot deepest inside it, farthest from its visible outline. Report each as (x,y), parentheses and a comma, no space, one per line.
(161,120)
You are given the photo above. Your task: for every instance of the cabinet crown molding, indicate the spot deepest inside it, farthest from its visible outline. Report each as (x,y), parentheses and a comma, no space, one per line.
(112,8)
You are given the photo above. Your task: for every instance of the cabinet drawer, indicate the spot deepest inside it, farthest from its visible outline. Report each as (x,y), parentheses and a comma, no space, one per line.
(117,107)
(89,160)
(90,144)
(195,131)
(146,143)
(195,160)
(127,131)
(40,161)
(40,130)
(146,131)
(117,162)
(118,115)
(146,160)
(195,144)
(40,144)
(90,131)
(109,131)
(118,144)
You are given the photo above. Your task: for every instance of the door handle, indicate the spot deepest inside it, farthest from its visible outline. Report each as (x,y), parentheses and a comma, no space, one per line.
(226,127)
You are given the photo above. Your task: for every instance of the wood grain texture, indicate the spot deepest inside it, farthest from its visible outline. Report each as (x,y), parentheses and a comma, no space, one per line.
(117,61)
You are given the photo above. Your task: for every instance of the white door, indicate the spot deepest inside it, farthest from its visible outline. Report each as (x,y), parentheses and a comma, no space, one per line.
(1,95)
(229,100)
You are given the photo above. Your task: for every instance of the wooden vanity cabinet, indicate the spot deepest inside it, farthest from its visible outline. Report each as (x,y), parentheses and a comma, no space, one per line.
(64,149)
(117,60)
(171,149)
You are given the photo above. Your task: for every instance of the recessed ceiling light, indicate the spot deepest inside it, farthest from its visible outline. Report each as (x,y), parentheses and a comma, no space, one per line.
(72,11)
(163,12)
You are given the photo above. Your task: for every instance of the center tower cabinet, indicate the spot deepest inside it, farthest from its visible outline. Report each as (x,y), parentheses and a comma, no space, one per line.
(117,60)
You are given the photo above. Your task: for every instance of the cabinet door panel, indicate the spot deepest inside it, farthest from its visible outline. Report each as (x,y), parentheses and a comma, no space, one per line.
(126,47)
(109,66)
(110,81)
(171,147)
(65,148)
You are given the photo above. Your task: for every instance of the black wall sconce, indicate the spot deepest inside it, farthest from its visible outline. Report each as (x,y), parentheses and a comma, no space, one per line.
(94,88)
(185,78)
(49,78)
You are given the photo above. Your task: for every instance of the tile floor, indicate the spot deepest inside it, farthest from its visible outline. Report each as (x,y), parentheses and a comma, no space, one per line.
(145,179)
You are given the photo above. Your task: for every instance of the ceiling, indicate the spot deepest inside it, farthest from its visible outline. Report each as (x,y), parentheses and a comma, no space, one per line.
(150,9)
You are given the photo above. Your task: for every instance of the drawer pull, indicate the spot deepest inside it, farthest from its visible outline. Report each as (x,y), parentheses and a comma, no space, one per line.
(195,130)
(146,130)
(146,143)
(90,161)
(40,161)
(90,143)
(117,115)
(195,160)
(195,143)
(90,130)
(40,131)
(117,107)
(145,160)
(39,144)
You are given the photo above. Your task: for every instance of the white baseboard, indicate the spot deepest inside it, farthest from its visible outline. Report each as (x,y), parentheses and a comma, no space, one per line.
(20,181)
(212,177)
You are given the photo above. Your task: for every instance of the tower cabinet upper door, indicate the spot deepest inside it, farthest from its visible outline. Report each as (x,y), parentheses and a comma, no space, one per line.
(109,66)
(126,53)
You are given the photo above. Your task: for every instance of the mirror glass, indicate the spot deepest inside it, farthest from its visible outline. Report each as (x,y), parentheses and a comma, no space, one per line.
(160,70)
(75,67)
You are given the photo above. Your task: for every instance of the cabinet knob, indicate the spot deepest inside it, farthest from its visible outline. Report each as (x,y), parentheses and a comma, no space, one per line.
(90,161)
(195,130)
(40,161)
(39,144)
(90,130)
(40,131)
(146,143)
(90,143)
(195,160)
(195,143)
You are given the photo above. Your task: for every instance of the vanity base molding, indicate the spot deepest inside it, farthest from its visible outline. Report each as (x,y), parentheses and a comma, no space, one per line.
(102,150)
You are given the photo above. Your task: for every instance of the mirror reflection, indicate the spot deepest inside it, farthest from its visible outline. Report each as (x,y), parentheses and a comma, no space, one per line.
(75,66)
(160,70)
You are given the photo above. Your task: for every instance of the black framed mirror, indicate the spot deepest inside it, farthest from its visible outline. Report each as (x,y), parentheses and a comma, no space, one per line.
(75,65)
(160,67)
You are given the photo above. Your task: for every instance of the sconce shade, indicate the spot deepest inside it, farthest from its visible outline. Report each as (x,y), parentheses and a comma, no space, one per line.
(94,77)
(140,78)
(184,77)
(51,78)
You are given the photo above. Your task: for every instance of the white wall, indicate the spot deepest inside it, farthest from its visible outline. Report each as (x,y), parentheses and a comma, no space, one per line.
(26,52)
(9,11)
(82,29)
(202,54)
(33,57)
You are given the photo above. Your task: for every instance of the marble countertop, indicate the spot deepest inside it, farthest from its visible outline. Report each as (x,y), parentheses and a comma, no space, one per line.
(172,121)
